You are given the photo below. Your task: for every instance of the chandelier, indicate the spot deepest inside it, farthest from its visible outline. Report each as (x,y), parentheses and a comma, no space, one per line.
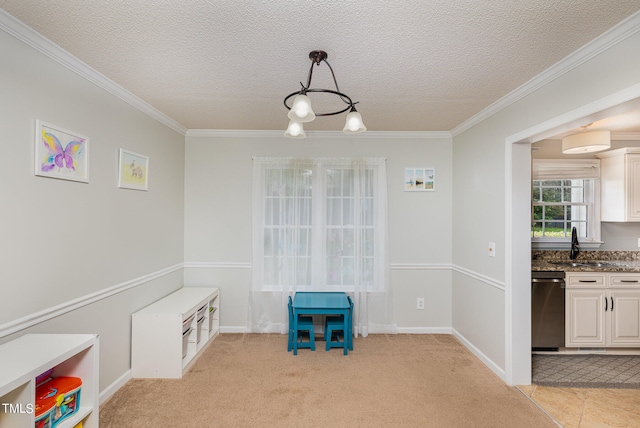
(300,110)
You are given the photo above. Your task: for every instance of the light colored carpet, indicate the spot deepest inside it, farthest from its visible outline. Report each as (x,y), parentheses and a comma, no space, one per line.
(586,371)
(250,380)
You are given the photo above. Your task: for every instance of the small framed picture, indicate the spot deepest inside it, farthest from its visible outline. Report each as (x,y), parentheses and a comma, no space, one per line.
(60,153)
(419,179)
(133,171)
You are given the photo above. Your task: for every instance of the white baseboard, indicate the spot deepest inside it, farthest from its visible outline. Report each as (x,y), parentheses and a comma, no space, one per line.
(481,356)
(115,386)
(401,330)
(424,330)
(236,329)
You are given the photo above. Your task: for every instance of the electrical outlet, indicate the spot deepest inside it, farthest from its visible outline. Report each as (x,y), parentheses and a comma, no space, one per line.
(492,249)
(420,303)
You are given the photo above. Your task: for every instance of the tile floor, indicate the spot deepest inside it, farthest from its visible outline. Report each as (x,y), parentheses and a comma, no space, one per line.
(588,407)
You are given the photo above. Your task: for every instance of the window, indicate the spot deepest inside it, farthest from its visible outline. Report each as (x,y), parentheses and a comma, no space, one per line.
(350,232)
(559,205)
(322,224)
(565,195)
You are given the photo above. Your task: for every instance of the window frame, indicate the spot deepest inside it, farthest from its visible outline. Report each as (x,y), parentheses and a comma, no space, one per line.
(562,170)
(319,228)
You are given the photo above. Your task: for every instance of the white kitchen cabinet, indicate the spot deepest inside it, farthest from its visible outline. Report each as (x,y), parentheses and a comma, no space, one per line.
(620,185)
(585,318)
(168,335)
(624,313)
(27,357)
(602,310)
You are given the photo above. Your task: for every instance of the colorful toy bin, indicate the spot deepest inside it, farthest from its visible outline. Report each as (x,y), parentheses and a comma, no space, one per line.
(56,399)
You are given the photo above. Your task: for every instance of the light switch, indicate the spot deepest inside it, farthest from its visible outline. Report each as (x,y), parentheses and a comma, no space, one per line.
(492,249)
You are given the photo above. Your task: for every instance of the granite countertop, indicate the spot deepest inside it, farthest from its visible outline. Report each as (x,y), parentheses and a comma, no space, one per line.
(587,261)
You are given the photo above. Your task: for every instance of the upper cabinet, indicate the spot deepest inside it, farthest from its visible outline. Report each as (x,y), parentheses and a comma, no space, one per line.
(620,184)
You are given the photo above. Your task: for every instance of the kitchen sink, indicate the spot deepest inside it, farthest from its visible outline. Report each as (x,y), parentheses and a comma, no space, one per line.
(587,263)
(569,264)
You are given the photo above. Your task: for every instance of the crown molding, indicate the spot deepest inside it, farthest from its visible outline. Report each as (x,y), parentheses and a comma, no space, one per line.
(28,35)
(617,136)
(312,135)
(611,37)
(625,136)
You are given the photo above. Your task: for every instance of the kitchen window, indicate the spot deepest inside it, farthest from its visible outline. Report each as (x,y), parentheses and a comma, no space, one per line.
(565,194)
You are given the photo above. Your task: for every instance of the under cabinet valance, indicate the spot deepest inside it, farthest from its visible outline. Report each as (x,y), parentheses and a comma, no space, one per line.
(565,169)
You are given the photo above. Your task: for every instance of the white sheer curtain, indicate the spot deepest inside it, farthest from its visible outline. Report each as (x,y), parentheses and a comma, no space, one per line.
(320,225)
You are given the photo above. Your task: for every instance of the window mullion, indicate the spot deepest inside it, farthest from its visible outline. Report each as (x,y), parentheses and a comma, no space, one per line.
(318,227)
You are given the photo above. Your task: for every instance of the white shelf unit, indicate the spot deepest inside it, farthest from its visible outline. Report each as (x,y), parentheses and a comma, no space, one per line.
(158,336)
(27,357)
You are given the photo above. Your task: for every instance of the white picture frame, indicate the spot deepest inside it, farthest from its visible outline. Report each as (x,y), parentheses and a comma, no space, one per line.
(133,170)
(60,153)
(422,179)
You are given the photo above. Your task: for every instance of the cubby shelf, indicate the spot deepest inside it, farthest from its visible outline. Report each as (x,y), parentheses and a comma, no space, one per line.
(25,358)
(168,335)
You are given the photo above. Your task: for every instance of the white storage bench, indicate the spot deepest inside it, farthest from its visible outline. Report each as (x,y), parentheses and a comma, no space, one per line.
(168,335)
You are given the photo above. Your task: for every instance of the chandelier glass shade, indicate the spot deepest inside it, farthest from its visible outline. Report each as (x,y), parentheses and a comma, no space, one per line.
(586,142)
(354,124)
(300,111)
(295,130)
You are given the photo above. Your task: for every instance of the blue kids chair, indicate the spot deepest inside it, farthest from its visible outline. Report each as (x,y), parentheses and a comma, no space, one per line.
(305,326)
(334,325)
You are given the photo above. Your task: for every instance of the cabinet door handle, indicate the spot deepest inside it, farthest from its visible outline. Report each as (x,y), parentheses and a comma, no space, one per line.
(612,304)
(606,304)
(628,280)
(586,280)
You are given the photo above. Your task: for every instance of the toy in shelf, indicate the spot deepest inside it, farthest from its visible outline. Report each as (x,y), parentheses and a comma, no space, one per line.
(56,399)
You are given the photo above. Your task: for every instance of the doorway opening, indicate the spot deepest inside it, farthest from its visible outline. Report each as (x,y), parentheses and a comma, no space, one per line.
(518,202)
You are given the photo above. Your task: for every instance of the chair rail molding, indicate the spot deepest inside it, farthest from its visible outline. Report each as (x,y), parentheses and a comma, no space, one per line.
(500,285)
(420,266)
(66,307)
(218,265)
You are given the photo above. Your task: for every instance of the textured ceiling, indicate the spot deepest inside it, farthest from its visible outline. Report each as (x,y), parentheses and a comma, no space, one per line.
(413,65)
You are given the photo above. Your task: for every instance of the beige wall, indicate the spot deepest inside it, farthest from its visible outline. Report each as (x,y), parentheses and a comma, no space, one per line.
(63,242)
(482,165)
(218,218)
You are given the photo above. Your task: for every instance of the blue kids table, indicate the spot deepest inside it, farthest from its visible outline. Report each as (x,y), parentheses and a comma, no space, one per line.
(320,303)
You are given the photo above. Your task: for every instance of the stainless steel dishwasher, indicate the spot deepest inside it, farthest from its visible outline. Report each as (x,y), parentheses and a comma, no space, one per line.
(547,310)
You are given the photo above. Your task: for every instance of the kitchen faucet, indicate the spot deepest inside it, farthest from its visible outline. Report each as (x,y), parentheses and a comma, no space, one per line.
(575,245)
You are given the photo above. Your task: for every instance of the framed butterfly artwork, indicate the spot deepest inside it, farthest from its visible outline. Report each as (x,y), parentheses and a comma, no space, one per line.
(60,153)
